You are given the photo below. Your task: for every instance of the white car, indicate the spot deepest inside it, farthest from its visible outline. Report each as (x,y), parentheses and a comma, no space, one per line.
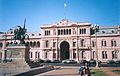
(69,61)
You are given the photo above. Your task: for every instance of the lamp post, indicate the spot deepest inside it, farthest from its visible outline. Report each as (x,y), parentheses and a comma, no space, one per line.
(4,48)
(96,28)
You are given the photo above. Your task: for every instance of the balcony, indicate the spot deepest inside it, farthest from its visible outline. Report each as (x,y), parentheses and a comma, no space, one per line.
(81,48)
(84,47)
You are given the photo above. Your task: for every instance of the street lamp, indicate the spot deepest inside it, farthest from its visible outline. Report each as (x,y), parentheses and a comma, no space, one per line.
(4,48)
(96,28)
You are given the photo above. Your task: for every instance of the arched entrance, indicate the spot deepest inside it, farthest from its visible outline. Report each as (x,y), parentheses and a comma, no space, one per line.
(64,50)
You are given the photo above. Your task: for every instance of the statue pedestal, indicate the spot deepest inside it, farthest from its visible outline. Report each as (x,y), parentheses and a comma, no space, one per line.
(19,54)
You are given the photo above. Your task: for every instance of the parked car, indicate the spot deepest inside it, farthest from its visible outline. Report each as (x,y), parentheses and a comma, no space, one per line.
(65,61)
(48,61)
(69,61)
(41,61)
(117,62)
(111,62)
(56,61)
(84,61)
(73,62)
(94,61)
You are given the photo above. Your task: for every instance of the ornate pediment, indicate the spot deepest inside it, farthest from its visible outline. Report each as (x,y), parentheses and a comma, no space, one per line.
(64,22)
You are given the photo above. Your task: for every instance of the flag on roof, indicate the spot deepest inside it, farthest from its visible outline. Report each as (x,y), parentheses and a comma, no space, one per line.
(65,5)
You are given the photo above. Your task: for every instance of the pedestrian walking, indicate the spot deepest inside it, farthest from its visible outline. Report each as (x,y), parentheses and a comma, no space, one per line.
(81,70)
(87,70)
(84,70)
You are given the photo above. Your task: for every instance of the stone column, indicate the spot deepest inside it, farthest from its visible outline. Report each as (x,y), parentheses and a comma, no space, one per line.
(56,51)
(57,54)
(71,57)
(80,55)
(4,54)
(118,55)
(4,51)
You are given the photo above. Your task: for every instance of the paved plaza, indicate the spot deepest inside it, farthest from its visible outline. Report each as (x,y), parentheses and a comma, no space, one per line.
(73,71)
(109,70)
(70,71)
(62,71)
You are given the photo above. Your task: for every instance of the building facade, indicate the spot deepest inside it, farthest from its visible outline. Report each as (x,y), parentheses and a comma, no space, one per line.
(69,40)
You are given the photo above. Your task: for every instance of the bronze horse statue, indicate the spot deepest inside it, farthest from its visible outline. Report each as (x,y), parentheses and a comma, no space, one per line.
(20,34)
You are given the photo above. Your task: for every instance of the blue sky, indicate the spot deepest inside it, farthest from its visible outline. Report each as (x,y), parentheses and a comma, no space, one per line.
(38,12)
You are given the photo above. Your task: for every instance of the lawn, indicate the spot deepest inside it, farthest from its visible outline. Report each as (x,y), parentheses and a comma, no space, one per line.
(97,72)
(116,71)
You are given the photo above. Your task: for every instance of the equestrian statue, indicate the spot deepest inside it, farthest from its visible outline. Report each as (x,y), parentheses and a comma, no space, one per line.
(20,33)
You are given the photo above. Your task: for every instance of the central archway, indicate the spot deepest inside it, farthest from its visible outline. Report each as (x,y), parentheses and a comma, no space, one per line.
(64,50)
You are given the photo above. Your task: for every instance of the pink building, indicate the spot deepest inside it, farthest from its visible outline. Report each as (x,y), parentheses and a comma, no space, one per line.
(69,40)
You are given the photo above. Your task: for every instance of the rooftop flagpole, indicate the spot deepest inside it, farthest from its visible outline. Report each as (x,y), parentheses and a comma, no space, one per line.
(65,5)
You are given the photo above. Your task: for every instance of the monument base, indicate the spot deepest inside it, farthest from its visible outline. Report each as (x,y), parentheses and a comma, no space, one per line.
(15,64)
(19,56)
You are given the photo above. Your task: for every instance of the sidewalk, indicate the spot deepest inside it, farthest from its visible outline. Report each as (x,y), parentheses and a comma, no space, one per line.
(62,71)
(73,71)
(108,71)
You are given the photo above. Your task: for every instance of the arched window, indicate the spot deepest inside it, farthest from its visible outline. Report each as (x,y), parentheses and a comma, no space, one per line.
(34,44)
(54,32)
(58,32)
(61,32)
(46,43)
(74,31)
(1,44)
(38,44)
(84,31)
(46,54)
(112,31)
(103,31)
(74,44)
(49,32)
(7,44)
(27,43)
(31,54)
(31,45)
(64,32)
(113,43)
(54,53)
(11,42)
(114,54)
(80,31)
(94,55)
(103,43)
(83,54)
(69,31)
(83,42)
(104,54)
(45,32)
(74,53)
(36,54)
(93,43)
(33,34)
